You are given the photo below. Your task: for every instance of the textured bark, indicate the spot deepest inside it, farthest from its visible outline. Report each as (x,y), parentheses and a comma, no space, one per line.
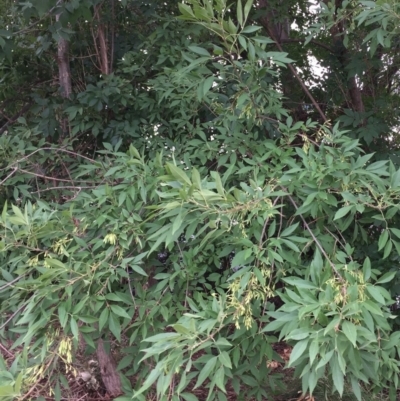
(104,65)
(355,95)
(64,75)
(64,72)
(104,54)
(108,371)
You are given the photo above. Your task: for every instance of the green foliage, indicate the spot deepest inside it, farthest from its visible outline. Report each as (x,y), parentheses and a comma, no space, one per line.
(291,220)
(191,214)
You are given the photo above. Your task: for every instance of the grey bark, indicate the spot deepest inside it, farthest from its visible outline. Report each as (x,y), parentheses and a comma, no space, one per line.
(64,72)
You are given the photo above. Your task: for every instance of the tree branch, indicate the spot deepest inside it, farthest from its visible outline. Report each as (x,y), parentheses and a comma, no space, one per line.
(14,118)
(320,247)
(313,41)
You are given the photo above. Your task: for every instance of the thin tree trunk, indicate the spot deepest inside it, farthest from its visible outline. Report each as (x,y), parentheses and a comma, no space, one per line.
(108,371)
(64,74)
(103,50)
(101,44)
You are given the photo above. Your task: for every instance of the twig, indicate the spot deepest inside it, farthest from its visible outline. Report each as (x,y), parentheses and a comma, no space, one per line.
(47,177)
(9,175)
(50,148)
(25,396)
(315,42)
(296,75)
(315,238)
(71,187)
(6,350)
(11,282)
(36,22)
(15,117)
(12,317)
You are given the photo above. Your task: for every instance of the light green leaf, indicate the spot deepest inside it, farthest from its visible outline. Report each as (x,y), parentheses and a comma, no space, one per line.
(19,214)
(337,375)
(300,283)
(189,397)
(219,379)
(298,351)
(242,41)
(162,337)
(74,328)
(7,391)
(150,379)
(356,387)
(54,263)
(218,183)
(207,371)
(207,85)
(396,232)
(114,326)
(350,331)
(343,211)
(118,310)
(374,292)
(383,239)
(377,166)
(103,318)
(387,277)
(225,359)
(186,10)
(199,50)
(395,180)
(121,198)
(223,342)
(372,307)
(289,230)
(387,250)
(139,270)
(247,8)
(239,12)
(313,351)
(62,315)
(18,383)
(367,269)
(241,257)
(251,28)
(176,225)
(178,174)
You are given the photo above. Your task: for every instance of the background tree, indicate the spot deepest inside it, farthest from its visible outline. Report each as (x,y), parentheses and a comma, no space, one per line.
(187,184)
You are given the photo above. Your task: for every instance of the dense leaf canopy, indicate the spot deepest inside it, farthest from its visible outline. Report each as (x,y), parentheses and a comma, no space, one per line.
(195,182)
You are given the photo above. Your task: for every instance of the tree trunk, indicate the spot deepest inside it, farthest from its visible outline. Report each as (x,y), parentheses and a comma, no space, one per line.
(64,72)
(103,50)
(108,371)
(278,28)
(354,91)
(104,54)
(64,75)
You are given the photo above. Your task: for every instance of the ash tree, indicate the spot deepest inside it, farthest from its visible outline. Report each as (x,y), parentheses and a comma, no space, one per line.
(184,185)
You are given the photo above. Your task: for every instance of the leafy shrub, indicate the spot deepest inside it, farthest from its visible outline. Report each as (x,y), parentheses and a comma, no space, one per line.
(227,228)
(298,220)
